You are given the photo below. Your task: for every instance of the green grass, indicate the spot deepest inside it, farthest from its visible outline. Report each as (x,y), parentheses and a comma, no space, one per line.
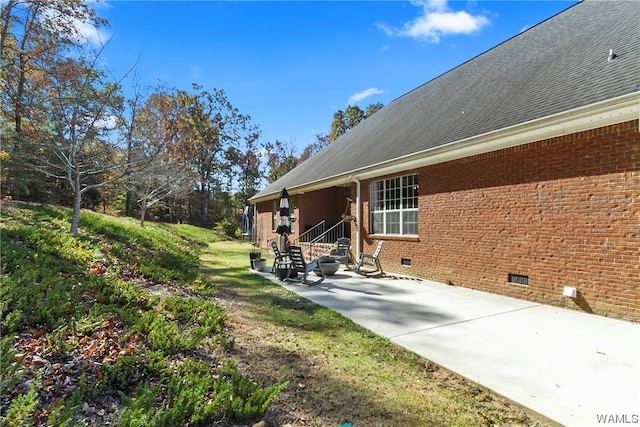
(83,301)
(169,359)
(348,372)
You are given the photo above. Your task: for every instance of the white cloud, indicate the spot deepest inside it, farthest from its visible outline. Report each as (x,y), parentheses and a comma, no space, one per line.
(106,122)
(436,21)
(364,94)
(77,29)
(90,33)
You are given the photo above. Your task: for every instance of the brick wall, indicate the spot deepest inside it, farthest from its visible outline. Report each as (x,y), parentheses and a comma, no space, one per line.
(309,209)
(563,211)
(325,204)
(263,220)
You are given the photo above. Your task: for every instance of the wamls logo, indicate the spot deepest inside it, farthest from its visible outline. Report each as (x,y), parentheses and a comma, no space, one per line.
(618,418)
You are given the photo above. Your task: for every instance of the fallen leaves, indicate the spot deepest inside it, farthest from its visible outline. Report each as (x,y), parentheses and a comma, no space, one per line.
(62,373)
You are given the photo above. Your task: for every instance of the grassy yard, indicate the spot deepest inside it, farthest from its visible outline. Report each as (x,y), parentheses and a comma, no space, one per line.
(336,370)
(166,326)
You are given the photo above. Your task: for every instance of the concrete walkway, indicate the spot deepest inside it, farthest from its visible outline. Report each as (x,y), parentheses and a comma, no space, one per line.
(574,368)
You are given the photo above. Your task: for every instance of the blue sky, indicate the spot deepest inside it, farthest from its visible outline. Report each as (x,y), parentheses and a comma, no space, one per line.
(291,64)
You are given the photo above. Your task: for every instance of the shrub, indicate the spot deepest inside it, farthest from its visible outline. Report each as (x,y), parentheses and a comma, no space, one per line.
(243,398)
(194,396)
(63,412)
(134,369)
(9,365)
(228,227)
(20,412)
(181,324)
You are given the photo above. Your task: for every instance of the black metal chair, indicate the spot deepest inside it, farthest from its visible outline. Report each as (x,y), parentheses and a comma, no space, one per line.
(301,266)
(280,258)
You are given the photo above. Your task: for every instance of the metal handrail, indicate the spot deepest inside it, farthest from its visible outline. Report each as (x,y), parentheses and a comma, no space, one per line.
(336,231)
(314,239)
(328,237)
(311,231)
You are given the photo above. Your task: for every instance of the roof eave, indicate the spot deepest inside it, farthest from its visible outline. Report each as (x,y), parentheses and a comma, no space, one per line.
(604,113)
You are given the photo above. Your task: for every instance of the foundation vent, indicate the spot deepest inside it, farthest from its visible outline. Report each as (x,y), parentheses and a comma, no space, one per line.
(518,279)
(405,261)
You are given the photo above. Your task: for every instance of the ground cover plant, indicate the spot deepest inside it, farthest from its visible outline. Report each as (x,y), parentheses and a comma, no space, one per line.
(110,328)
(167,326)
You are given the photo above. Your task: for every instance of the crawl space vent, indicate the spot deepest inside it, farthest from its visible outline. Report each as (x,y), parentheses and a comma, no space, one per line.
(518,279)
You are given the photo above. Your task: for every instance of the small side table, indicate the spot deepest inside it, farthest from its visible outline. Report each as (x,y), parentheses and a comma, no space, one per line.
(282,269)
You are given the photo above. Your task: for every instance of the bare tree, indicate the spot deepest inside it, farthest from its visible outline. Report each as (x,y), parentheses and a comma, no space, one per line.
(158,182)
(81,147)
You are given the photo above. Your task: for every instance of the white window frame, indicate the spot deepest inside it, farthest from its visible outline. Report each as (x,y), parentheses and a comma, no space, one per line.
(394,206)
(275,214)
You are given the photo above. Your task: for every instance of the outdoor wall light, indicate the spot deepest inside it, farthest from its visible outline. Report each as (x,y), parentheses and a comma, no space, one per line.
(570,292)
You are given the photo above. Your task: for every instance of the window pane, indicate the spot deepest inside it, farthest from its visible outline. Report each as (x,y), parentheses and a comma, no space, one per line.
(393,223)
(274,215)
(410,192)
(377,196)
(377,225)
(410,222)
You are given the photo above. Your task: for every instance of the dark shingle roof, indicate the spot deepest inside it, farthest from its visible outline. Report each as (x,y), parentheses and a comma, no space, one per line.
(556,66)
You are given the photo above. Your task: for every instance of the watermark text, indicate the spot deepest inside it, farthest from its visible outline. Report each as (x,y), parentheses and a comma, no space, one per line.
(618,418)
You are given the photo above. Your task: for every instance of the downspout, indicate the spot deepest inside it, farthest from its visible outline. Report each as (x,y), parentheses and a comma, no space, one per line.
(253,234)
(358,216)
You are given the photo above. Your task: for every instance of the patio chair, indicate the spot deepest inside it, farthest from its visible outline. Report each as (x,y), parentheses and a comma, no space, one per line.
(301,266)
(342,252)
(280,258)
(370,260)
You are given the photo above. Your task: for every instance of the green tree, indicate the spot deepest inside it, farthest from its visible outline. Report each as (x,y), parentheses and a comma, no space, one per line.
(202,132)
(344,121)
(280,159)
(33,36)
(248,162)
(321,142)
(209,130)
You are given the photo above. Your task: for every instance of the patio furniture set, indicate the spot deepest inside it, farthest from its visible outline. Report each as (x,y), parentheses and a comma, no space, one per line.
(292,265)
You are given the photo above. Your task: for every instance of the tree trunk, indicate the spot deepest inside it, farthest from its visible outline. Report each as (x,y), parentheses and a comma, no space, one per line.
(75,221)
(6,24)
(143,212)
(128,203)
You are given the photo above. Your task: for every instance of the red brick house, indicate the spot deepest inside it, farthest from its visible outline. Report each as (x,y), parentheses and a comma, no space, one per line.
(517,172)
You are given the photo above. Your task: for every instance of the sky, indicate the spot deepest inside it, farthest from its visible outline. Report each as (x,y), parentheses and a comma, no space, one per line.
(291,65)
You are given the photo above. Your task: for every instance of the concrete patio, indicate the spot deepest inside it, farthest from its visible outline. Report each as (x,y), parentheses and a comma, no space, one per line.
(574,368)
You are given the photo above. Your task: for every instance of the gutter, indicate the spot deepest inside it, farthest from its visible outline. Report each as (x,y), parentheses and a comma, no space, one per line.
(604,113)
